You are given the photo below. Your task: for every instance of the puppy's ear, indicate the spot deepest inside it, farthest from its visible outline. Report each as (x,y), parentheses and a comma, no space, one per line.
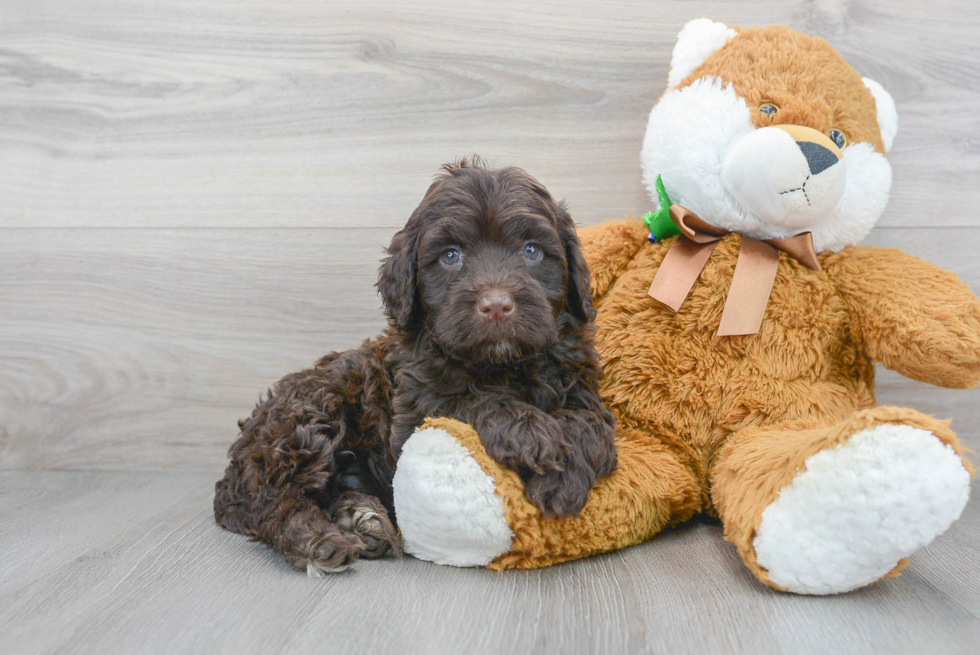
(398,275)
(579,293)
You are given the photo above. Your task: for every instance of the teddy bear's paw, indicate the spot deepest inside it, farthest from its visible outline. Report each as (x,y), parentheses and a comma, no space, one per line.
(860,508)
(446,506)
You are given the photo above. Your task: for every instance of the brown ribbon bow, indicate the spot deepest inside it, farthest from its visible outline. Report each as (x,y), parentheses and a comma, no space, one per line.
(755,270)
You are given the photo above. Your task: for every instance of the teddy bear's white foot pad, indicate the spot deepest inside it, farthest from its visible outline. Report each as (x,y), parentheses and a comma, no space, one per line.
(859,508)
(445,505)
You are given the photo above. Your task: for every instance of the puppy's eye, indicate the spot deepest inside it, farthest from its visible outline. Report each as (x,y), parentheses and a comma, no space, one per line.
(451,257)
(768,109)
(532,251)
(838,137)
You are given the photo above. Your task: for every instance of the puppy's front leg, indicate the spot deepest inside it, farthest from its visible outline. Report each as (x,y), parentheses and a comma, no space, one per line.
(593,455)
(557,456)
(518,435)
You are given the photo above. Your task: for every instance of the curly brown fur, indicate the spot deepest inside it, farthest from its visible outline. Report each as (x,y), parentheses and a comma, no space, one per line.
(490,323)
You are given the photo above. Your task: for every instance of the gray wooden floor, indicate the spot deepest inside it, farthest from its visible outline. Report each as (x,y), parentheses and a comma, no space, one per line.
(193,201)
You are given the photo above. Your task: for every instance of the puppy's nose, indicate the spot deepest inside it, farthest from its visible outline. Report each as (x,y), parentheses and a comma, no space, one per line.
(495,305)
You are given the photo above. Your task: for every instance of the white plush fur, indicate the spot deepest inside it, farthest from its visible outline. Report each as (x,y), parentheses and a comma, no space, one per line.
(446,506)
(767,171)
(859,508)
(887,114)
(695,43)
(691,132)
(868,183)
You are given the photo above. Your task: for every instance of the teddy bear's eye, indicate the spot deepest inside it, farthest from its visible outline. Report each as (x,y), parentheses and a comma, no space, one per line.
(838,137)
(768,109)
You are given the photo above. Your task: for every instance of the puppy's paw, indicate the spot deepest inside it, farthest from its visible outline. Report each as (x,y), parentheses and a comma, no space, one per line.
(310,540)
(366,517)
(333,553)
(558,493)
(533,441)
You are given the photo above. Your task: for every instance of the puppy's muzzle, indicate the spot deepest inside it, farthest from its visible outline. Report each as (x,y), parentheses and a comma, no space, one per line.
(495,305)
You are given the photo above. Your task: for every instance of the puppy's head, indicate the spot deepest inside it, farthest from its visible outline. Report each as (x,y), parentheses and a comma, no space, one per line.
(488,264)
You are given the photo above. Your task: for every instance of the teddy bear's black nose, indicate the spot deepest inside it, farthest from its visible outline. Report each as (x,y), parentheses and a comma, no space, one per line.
(818,158)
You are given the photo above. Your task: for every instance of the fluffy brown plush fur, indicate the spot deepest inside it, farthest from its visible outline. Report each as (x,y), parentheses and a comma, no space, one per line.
(488,296)
(814,86)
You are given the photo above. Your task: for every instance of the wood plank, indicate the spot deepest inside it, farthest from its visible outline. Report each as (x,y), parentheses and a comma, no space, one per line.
(161,577)
(124,349)
(51,519)
(225,114)
(141,348)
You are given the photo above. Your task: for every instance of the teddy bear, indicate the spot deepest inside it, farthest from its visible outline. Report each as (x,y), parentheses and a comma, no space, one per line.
(738,327)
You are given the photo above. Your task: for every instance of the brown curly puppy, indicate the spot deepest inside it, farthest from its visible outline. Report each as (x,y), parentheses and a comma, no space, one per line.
(490,323)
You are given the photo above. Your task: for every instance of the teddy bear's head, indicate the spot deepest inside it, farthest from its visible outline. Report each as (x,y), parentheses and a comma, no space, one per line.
(769,132)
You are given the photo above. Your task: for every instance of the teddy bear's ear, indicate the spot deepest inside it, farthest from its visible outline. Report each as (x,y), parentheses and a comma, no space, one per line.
(887,115)
(696,42)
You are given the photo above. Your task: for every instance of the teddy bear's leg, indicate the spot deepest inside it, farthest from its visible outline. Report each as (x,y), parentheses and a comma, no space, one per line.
(817,508)
(455,505)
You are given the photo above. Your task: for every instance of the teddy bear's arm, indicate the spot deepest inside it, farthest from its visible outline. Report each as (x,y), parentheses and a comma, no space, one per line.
(608,249)
(911,315)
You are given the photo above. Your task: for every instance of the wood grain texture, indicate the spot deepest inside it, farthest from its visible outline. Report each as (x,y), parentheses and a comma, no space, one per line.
(141,348)
(194,196)
(230,113)
(157,576)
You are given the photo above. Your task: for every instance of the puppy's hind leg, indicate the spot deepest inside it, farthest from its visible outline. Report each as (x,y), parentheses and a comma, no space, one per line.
(365,517)
(279,466)
(308,539)
(269,491)
(289,521)
(287,470)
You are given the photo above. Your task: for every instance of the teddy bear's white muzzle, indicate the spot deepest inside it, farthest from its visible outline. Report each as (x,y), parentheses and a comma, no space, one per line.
(784,181)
